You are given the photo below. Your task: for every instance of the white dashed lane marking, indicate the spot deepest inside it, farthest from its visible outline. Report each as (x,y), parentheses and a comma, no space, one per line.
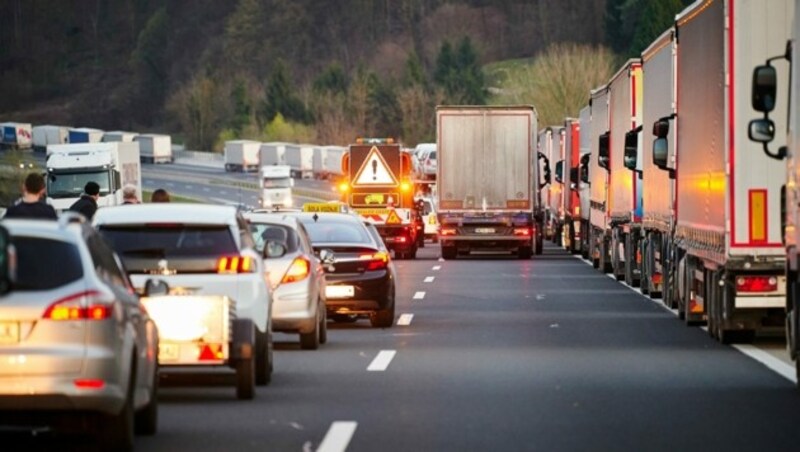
(437,267)
(429,279)
(405,319)
(381,361)
(338,436)
(419,295)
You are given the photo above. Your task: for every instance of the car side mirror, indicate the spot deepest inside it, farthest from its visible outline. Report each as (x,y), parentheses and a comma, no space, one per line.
(8,261)
(274,249)
(602,151)
(761,130)
(764,87)
(155,288)
(326,256)
(630,155)
(560,171)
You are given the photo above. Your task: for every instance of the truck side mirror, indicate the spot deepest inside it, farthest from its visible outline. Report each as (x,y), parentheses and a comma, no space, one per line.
(660,153)
(630,155)
(761,130)
(560,171)
(584,169)
(602,151)
(764,86)
(546,176)
(8,261)
(116,183)
(574,176)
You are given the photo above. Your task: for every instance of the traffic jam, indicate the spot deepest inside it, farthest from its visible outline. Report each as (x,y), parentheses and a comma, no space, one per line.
(549,269)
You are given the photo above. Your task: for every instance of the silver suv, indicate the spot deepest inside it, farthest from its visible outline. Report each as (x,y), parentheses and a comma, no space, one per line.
(77,350)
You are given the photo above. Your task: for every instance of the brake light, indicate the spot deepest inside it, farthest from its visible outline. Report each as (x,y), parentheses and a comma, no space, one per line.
(235,264)
(377,261)
(657,278)
(401,239)
(447,231)
(210,352)
(298,271)
(756,284)
(522,231)
(89,383)
(87,305)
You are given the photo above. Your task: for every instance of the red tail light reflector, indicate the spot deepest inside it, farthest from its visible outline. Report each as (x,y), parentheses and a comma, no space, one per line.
(86,305)
(656,278)
(401,239)
(756,284)
(447,231)
(211,352)
(298,271)
(235,264)
(522,231)
(377,261)
(89,383)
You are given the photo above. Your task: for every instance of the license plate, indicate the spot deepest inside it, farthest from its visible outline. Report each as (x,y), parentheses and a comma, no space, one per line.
(484,230)
(339,291)
(9,332)
(167,352)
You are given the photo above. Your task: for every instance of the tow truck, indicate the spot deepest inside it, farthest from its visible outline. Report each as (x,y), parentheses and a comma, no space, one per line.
(377,185)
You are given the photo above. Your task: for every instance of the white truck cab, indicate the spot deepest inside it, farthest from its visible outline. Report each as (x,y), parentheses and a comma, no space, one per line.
(276,186)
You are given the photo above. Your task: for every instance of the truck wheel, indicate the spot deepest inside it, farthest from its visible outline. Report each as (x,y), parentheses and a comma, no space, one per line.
(384,318)
(263,358)
(146,420)
(525,252)
(603,264)
(449,252)
(246,379)
(412,254)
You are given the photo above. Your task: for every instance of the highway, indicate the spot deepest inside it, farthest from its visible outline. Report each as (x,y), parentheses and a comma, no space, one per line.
(496,354)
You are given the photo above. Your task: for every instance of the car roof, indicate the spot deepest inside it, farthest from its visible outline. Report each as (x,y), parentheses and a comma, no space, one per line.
(337,216)
(166,212)
(44,228)
(279,218)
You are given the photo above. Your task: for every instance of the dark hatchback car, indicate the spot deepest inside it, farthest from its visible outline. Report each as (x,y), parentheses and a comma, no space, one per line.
(359,272)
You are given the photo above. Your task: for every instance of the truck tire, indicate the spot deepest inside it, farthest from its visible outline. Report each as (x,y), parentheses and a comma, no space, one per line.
(603,262)
(246,379)
(449,252)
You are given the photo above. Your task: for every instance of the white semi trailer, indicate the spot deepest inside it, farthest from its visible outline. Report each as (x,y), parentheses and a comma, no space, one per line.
(599,231)
(584,180)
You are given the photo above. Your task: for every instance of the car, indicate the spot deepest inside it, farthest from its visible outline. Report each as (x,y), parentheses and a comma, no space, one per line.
(77,348)
(296,276)
(428,213)
(359,271)
(420,152)
(205,253)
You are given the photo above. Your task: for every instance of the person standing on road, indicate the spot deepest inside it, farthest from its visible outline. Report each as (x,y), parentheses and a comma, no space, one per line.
(32,205)
(129,195)
(87,205)
(160,195)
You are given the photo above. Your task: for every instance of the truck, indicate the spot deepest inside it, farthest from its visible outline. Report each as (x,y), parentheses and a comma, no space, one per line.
(119,135)
(599,228)
(111,165)
(84,135)
(624,209)
(16,135)
(730,257)
(273,153)
(567,174)
(378,187)
(584,179)
(276,186)
(301,158)
(771,83)
(658,216)
(487,179)
(328,162)
(242,155)
(550,140)
(46,135)
(155,148)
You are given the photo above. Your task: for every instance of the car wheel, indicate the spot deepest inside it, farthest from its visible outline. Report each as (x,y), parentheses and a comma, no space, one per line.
(449,252)
(384,318)
(116,431)
(323,326)
(525,252)
(310,340)
(146,421)
(263,358)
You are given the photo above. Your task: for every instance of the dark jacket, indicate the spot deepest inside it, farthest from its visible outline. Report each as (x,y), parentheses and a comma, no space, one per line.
(86,205)
(35,210)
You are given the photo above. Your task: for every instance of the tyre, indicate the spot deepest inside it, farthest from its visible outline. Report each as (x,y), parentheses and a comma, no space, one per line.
(449,252)
(539,245)
(246,379)
(146,420)
(412,254)
(384,318)
(116,431)
(525,252)
(310,340)
(603,262)
(323,326)
(263,358)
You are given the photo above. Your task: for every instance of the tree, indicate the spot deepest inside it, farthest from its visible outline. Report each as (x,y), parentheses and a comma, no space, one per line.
(200,109)
(331,80)
(460,75)
(656,17)
(281,97)
(149,62)
(558,82)
(244,34)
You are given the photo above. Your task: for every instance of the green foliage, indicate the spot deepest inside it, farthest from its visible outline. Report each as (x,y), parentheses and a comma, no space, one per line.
(242,108)
(657,16)
(281,97)
(631,25)
(459,74)
(149,61)
(332,80)
(281,130)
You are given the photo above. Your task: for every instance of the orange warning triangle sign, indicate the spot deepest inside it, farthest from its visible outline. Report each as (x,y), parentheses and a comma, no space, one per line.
(393,218)
(374,171)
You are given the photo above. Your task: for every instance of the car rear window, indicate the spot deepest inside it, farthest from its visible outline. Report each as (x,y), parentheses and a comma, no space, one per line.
(284,234)
(170,241)
(38,257)
(336,231)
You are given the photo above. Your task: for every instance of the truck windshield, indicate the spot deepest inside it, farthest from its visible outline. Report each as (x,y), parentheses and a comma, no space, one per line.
(282,182)
(70,185)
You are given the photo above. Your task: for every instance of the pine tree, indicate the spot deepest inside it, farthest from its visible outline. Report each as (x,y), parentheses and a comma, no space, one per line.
(656,17)
(281,98)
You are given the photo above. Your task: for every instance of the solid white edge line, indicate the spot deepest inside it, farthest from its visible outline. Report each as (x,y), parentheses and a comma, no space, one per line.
(419,295)
(428,279)
(772,363)
(338,436)
(381,361)
(405,319)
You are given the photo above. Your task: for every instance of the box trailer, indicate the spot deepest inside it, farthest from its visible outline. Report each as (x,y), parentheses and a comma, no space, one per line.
(600,233)
(551,142)
(272,153)
(332,162)
(118,135)
(16,135)
(242,155)
(584,179)
(569,176)
(155,148)
(301,158)
(45,135)
(84,135)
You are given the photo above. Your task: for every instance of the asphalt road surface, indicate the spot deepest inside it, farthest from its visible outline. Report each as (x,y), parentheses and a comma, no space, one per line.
(496,354)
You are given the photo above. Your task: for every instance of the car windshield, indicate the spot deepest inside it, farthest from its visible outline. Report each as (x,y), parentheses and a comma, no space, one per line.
(170,241)
(262,232)
(35,258)
(70,185)
(335,231)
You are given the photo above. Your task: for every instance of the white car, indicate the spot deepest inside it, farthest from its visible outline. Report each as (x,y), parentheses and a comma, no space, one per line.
(429,219)
(202,251)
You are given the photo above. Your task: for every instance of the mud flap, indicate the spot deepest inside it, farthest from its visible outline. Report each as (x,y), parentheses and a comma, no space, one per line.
(244,340)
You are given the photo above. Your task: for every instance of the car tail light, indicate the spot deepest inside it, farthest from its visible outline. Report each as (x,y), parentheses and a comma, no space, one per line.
(756,284)
(86,305)
(235,264)
(447,231)
(657,278)
(210,352)
(298,271)
(522,231)
(377,261)
(401,239)
(89,383)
